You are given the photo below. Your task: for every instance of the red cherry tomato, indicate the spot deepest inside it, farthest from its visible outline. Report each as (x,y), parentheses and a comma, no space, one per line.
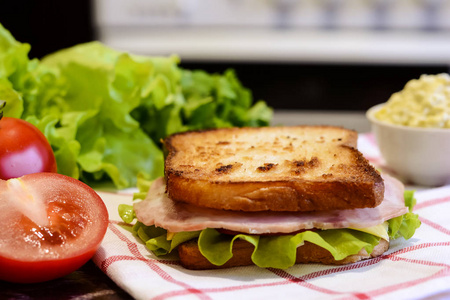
(50,225)
(23,149)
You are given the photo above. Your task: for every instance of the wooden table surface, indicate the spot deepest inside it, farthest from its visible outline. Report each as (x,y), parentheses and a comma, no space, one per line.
(89,282)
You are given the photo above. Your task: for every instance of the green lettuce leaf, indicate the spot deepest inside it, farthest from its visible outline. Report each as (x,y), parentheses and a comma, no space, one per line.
(280,251)
(12,98)
(126,213)
(17,78)
(405,225)
(410,201)
(270,251)
(155,238)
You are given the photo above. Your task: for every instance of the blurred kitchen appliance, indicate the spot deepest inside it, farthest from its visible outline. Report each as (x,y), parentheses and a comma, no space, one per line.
(301,54)
(354,31)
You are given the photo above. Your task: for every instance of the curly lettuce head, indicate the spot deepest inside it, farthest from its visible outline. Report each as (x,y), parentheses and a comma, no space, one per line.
(105,111)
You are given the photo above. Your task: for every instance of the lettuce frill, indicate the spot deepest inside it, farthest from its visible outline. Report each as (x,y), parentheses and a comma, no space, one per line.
(271,250)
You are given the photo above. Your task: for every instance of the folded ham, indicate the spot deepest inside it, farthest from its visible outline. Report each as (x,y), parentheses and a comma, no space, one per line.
(157,209)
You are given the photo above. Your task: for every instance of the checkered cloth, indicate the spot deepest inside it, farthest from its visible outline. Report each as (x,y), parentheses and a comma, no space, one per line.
(413,269)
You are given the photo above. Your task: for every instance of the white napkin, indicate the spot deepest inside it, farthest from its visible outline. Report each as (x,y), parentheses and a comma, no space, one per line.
(413,269)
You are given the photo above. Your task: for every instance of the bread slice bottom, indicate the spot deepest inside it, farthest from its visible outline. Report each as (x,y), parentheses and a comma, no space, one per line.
(191,258)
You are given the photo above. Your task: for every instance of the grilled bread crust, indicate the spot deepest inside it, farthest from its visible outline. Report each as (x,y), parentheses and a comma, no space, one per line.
(301,168)
(191,258)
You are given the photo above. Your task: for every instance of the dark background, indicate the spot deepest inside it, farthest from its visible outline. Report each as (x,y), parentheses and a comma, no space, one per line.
(48,25)
(323,86)
(52,25)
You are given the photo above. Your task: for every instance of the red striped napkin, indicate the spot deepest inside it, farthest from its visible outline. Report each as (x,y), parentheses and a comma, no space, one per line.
(418,268)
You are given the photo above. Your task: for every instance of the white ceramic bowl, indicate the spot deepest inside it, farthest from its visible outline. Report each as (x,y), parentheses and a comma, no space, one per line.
(418,155)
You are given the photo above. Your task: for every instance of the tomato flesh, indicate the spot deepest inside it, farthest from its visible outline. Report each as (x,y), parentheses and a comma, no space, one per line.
(50,226)
(23,149)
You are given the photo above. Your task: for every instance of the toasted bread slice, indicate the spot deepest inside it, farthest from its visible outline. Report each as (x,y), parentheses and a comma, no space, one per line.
(191,258)
(303,168)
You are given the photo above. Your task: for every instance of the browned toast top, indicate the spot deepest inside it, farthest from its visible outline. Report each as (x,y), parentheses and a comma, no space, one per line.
(302,168)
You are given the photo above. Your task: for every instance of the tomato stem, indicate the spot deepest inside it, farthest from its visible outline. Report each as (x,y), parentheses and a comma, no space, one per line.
(2,105)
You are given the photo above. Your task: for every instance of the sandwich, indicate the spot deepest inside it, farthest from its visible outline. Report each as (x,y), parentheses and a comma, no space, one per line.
(271,197)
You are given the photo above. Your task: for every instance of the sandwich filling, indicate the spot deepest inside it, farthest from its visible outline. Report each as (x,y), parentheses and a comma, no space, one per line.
(163,224)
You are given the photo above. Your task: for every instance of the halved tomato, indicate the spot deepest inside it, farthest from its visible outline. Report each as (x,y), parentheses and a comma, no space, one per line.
(50,225)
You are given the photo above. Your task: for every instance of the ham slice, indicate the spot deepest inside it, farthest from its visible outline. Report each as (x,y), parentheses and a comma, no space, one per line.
(157,209)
